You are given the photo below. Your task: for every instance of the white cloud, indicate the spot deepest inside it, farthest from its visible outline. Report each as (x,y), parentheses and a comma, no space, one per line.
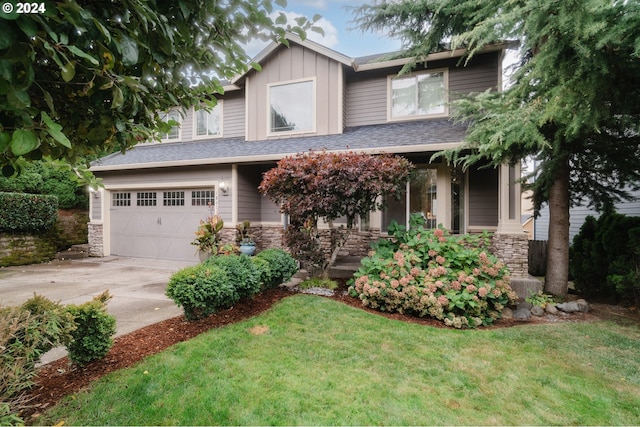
(330,37)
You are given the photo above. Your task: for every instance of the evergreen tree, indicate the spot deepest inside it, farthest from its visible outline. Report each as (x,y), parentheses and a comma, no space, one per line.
(574,103)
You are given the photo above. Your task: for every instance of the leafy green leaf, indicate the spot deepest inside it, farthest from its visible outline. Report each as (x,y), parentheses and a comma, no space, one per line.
(82,54)
(27,25)
(18,99)
(6,36)
(129,51)
(55,130)
(23,141)
(5,140)
(68,71)
(103,30)
(118,98)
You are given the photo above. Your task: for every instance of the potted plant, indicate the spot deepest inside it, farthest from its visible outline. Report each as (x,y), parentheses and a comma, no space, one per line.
(246,242)
(208,236)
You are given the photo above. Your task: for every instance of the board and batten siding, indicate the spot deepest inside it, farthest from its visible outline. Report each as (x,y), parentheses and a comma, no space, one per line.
(291,64)
(366,93)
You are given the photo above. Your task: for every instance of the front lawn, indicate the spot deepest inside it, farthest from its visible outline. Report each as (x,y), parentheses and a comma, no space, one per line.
(315,361)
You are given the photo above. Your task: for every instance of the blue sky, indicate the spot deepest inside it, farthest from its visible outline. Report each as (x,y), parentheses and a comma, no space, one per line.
(336,25)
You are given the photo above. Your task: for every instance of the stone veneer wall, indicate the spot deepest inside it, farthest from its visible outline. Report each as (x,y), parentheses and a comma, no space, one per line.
(72,225)
(513,250)
(96,239)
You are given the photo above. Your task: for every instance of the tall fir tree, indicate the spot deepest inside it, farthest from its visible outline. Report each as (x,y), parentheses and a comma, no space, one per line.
(574,103)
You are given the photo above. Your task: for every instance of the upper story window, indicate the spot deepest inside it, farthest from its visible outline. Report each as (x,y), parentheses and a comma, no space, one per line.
(208,124)
(174,134)
(418,95)
(292,107)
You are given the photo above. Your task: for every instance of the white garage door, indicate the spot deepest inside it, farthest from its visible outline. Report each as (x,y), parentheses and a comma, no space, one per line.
(158,223)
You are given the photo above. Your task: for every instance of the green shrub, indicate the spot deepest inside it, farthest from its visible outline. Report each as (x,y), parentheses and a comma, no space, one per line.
(283,266)
(94,332)
(264,269)
(49,178)
(27,212)
(241,273)
(429,272)
(26,333)
(201,290)
(605,258)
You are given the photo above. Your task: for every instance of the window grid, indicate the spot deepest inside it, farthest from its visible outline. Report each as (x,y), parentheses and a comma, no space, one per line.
(173,198)
(121,199)
(174,133)
(418,95)
(146,199)
(203,198)
(208,123)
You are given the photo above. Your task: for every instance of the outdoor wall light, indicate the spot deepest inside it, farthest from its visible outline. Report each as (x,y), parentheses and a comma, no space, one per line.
(224,188)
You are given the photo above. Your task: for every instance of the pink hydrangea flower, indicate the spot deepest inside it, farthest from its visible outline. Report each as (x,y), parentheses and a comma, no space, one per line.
(471,288)
(483,292)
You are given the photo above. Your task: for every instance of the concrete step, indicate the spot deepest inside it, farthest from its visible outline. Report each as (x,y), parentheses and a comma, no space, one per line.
(74,252)
(525,286)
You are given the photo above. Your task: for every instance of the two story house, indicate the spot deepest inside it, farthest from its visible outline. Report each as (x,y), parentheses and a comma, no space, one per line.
(308,97)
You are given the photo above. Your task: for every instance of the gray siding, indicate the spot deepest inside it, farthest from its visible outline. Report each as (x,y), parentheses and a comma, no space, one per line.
(248,195)
(483,198)
(233,120)
(366,92)
(577,216)
(96,205)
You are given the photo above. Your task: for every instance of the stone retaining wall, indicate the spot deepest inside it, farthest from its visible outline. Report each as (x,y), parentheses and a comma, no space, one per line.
(25,248)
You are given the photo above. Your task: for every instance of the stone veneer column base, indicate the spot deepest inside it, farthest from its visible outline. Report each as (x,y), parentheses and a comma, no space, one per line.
(96,239)
(513,250)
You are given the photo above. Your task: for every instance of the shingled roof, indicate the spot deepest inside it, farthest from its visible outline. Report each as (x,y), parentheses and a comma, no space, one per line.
(401,137)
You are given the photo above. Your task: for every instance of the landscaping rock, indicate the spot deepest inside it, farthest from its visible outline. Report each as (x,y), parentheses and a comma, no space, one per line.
(568,307)
(524,306)
(551,309)
(522,314)
(583,305)
(507,313)
(536,310)
(318,291)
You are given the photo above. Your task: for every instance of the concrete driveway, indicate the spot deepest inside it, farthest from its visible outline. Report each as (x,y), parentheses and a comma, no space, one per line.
(136,284)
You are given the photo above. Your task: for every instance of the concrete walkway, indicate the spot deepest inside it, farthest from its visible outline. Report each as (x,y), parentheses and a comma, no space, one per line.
(136,284)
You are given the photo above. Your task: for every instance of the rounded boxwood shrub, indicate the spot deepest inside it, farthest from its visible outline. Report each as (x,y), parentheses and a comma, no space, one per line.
(241,273)
(427,272)
(201,290)
(93,337)
(283,266)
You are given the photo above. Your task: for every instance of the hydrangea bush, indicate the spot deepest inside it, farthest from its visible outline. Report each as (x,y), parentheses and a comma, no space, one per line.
(428,272)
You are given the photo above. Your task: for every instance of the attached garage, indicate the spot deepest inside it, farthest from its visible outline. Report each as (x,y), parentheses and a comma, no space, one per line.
(158,223)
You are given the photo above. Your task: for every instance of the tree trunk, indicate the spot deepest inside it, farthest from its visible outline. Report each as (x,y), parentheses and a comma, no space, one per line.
(557,274)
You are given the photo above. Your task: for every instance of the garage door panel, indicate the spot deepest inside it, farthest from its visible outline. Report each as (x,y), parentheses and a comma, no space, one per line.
(161,232)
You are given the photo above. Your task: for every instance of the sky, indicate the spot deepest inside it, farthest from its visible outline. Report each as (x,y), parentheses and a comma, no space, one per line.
(339,33)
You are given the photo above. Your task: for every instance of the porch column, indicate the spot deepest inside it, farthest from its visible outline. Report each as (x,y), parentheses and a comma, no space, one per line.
(510,243)
(509,199)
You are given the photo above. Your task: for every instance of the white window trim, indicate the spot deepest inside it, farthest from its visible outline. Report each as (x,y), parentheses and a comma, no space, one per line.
(313,106)
(180,121)
(195,123)
(390,78)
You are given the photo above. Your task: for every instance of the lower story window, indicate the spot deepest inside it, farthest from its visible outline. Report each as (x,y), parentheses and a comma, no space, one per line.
(203,198)
(173,198)
(146,199)
(121,199)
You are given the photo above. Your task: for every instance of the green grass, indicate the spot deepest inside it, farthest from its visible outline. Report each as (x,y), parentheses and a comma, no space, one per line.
(314,361)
